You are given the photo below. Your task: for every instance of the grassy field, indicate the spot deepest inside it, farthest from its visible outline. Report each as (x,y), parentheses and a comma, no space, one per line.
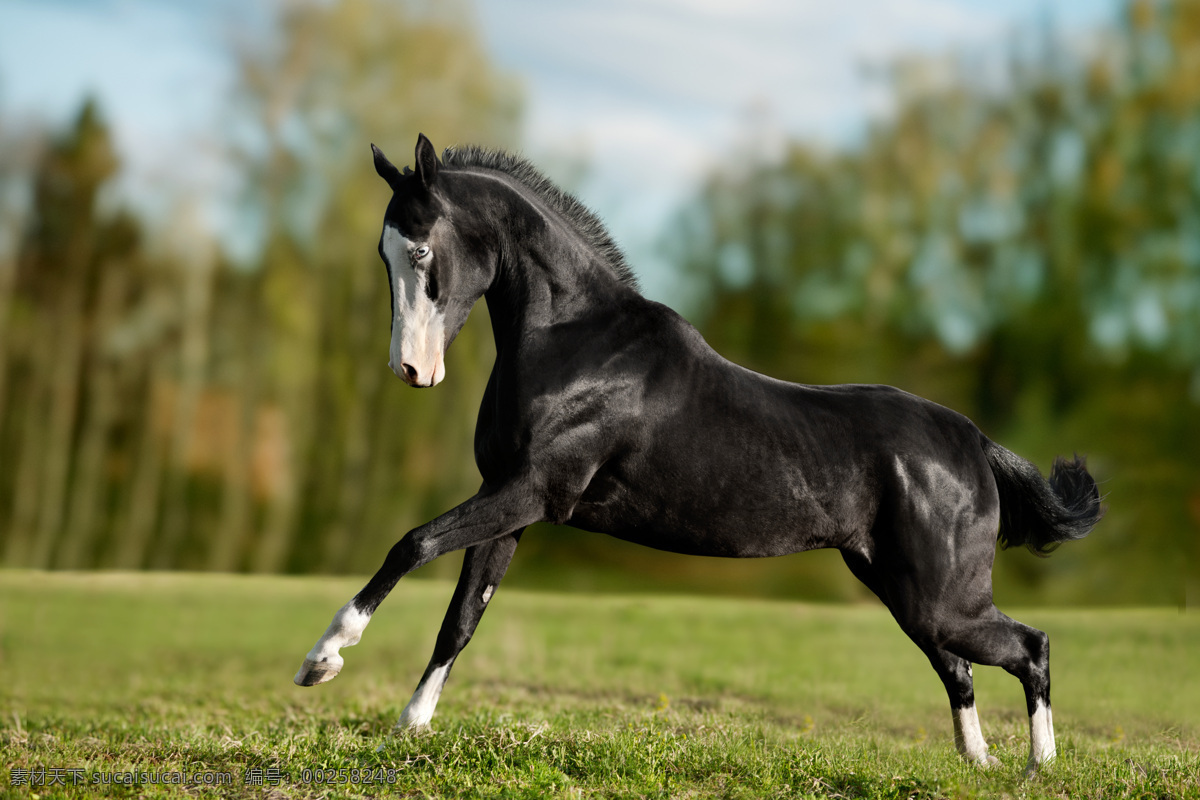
(559,695)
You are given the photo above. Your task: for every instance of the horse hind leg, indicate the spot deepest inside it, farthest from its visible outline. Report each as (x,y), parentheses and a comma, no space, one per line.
(1024,652)
(955,672)
(956,676)
(1034,673)
(953,639)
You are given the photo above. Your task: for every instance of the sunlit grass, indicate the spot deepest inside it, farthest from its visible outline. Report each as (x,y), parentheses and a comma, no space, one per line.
(564,695)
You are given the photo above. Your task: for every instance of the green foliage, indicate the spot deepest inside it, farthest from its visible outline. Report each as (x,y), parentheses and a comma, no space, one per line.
(564,696)
(342,75)
(1026,251)
(1028,255)
(183,411)
(70,282)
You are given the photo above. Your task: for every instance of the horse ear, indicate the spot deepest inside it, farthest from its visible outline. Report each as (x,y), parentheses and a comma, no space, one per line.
(427,161)
(386,169)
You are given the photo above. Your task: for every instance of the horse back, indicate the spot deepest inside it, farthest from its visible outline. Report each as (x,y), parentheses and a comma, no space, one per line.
(720,460)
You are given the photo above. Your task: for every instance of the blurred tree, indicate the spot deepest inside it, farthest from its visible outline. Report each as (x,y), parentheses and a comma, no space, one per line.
(188,412)
(1025,251)
(339,76)
(1028,254)
(62,292)
(18,150)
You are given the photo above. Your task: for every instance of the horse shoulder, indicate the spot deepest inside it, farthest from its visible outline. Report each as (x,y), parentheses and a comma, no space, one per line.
(571,397)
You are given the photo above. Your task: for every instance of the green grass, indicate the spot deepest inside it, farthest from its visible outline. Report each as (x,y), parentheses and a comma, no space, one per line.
(564,695)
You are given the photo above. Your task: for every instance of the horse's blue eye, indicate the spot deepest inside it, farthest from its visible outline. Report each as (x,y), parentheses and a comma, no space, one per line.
(420,252)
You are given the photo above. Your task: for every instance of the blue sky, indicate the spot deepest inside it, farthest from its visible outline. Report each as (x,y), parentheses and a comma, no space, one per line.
(652,92)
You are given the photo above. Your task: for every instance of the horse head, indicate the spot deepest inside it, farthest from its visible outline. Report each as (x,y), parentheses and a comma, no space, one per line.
(436,271)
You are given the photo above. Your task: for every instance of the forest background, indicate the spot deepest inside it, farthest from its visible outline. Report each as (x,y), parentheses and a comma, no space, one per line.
(1022,246)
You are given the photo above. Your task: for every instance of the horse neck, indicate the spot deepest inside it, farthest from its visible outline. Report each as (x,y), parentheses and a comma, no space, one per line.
(548,274)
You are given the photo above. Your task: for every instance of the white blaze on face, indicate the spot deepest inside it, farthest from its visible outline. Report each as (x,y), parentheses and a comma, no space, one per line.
(419,329)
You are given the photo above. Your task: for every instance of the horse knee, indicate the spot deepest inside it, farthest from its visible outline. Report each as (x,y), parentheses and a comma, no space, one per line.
(412,551)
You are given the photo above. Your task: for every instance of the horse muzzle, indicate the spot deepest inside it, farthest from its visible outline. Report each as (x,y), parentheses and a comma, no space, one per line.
(420,373)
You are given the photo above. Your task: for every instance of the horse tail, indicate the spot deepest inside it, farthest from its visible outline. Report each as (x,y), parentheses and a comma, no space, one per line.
(1039,513)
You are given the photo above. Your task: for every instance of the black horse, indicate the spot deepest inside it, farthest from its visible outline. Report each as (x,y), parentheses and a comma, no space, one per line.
(609,412)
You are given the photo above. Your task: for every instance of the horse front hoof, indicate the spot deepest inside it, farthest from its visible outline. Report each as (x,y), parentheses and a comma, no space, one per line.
(400,732)
(314,672)
(991,762)
(403,728)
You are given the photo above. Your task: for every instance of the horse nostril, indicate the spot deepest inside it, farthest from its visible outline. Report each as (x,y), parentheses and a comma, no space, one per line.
(409,372)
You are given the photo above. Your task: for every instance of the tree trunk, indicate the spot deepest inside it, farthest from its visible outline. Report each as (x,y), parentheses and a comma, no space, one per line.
(352,492)
(197,298)
(230,538)
(141,516)
(77,548)
(8,277)
(29,456)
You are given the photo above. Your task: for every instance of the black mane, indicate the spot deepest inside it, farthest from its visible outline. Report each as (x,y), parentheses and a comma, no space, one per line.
(587,223)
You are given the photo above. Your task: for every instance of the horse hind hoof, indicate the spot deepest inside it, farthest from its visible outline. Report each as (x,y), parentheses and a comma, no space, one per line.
(985,761)
(314,672)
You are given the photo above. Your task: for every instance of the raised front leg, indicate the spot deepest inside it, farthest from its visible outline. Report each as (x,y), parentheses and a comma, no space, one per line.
(485,517)
(483,568)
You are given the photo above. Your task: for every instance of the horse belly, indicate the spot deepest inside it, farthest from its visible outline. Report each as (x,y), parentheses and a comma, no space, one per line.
(736,515)
(731,542)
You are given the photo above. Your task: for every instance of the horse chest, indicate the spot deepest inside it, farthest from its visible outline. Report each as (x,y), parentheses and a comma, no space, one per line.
(562,423)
